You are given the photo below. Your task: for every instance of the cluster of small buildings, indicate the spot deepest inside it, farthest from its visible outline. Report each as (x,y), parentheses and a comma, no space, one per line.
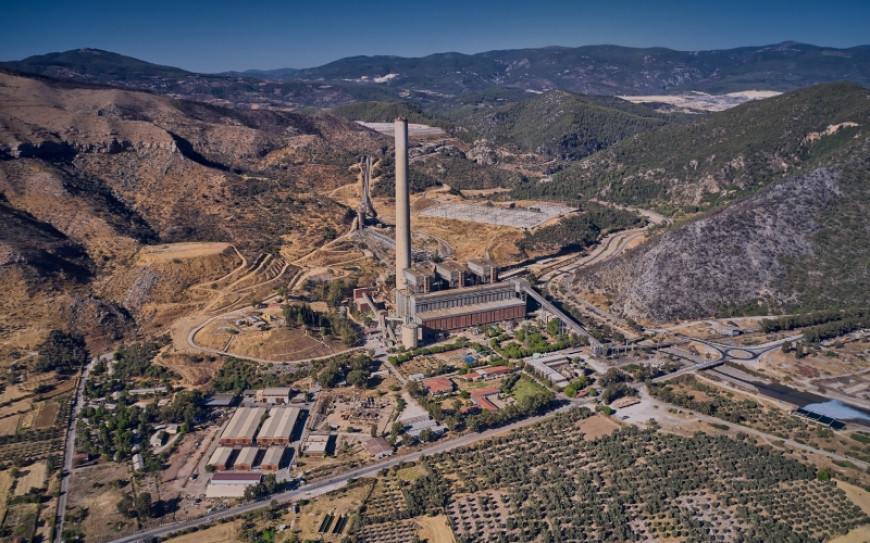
(437,386)
(247,458)
(553,368)
(481,397)
(255,429)
(487,373)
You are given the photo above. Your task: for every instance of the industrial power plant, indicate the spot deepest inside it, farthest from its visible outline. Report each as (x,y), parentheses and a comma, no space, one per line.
(436,298)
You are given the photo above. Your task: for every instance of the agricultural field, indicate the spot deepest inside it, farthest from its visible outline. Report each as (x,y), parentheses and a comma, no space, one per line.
(328,518)
(549,481)
(21,520)
(33,476)
(584,477)
(6,481)
(743,410)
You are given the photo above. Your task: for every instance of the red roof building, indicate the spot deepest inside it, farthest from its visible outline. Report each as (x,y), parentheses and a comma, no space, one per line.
(483,392)
(493,371)
(480,397)
(378,447)
(438,385)
(486,404)
(236,478)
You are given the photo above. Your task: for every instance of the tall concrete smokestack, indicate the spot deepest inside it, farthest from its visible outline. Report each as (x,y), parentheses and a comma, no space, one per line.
(403,204)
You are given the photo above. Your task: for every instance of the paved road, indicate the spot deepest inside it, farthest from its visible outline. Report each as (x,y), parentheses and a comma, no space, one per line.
(736,352)
(70,448)
(663,407)
(328,485)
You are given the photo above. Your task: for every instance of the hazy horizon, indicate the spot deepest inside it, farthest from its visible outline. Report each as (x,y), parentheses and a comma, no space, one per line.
(219,37)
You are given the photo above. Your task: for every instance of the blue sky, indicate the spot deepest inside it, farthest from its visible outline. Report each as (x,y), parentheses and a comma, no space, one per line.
(221,35)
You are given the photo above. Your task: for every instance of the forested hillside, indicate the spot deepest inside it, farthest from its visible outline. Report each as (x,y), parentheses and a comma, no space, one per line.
(719,158)
(801,244)
(562,124)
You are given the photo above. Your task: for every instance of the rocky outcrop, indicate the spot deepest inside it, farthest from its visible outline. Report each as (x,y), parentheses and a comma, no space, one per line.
(737,255)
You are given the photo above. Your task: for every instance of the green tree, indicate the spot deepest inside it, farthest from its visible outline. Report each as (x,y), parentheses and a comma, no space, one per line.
(143,505)
(62,352)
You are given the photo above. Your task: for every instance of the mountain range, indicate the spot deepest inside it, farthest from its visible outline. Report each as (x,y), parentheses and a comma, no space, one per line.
(91,177)
(603,69)
(98,167)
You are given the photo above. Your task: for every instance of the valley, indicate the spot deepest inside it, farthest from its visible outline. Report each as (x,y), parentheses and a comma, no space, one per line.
(299,308)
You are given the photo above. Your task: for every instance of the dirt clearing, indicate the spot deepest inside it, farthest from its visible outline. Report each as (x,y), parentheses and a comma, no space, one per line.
(435,529)
(222,533)
(858,496)
(167,252)
(597,426)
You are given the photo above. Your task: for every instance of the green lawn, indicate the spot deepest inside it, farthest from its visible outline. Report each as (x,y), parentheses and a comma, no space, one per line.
(526,387)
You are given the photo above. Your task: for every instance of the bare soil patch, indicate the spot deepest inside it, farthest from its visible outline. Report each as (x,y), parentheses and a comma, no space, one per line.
(435,529)
(411,474)
(5,487)
(283,344)
(166,252)
(597,426)
(858,535)
(9,425)
(47,415)
(856,495)
(195,372)
(31,477)
(89,488)
(222,533)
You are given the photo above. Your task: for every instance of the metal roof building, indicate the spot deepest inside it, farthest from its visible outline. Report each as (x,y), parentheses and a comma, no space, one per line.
(246,460)
(272,459)
(220,400)
(273,395)
(220,459)
(243,426)
(236,478)
(316,444)
(378,447)
(138,462)
(279,426)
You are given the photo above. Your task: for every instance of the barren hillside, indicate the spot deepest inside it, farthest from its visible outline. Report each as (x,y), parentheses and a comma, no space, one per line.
(90,175)
(801,243)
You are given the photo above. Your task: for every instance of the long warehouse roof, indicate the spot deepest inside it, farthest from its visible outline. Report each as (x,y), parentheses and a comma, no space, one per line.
(280,423)
(469,309)
(244,423)
(247,456)
(221,456)
(273,456)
